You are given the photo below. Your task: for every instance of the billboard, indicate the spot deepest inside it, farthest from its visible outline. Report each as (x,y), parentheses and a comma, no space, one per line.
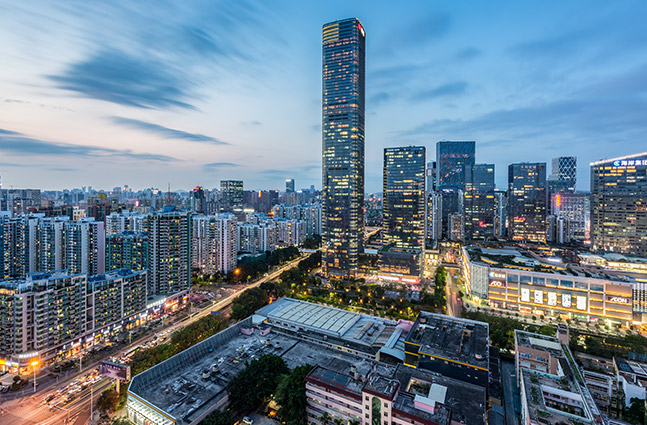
(525,294)
(115,370)
(539,297)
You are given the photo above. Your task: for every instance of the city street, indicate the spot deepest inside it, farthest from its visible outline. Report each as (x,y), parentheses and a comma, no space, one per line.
(454,303)
(31,409)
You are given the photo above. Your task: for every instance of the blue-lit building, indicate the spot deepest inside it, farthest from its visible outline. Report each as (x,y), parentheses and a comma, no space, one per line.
(343,146)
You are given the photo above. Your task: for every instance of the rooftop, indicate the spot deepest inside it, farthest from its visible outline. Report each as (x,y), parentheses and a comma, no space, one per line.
(535,341)
(451,338)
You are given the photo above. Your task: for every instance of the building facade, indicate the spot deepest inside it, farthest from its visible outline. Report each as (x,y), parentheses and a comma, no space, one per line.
(527,202)
(479,202)
(618,199)
(214,243)
(169,258)
(127,250)
(343,146)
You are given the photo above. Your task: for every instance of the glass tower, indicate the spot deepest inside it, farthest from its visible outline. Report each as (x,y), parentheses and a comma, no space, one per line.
(343,146)
(453,161)
(527,202)
(479,202)
(619,205)
(404,197)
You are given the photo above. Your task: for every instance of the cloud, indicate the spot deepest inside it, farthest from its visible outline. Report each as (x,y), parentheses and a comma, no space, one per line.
(168,133)
(456,88)
(8,132)
(119,77)
(215,166)
(555,46)
(13,143)
(251,123)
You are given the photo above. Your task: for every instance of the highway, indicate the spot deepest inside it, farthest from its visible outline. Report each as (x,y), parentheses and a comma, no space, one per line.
(33,410)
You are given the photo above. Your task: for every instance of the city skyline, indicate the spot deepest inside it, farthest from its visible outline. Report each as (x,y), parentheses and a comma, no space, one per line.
(162,99)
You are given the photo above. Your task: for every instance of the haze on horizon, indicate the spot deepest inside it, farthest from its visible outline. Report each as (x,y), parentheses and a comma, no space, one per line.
(190,93)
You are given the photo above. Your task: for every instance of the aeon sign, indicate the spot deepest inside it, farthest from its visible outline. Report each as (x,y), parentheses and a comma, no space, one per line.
(618,300)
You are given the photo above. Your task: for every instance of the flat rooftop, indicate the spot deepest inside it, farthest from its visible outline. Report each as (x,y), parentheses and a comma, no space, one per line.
(453,396)
(630,366)
(451,338)
(539,342)
(346,328)
(191,387)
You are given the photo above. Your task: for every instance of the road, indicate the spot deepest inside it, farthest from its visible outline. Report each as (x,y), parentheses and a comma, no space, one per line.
(32,410)
(510,393)
(454,304)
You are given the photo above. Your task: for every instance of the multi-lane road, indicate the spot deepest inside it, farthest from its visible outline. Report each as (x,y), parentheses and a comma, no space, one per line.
(33,410)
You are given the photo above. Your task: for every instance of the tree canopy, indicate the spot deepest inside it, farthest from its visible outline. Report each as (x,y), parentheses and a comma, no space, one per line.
(291,395)
(256,382)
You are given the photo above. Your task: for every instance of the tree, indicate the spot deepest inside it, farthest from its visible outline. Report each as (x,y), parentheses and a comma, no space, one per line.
(254,383)
(119,421)
(248,302)
(108,401)
(635,413)
(217,417)
(325,418)
(291,395)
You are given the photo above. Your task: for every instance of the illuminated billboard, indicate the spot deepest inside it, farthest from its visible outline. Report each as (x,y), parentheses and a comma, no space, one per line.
(115,370)
(566,300)
(539,297)
(581,302)
(552,298)
(525,294)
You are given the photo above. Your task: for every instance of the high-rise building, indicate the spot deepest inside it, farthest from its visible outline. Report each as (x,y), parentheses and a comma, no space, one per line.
(453,161)
(573,209)
(116,223)
(403,201)
(51,243)
(618,204)
(564,171)
(169,259)
(527,202)
(85,243)
(479,202)
(198,200)
(214,243)
(127,250)
(231,193)
(343,146)
(431,176)
(289,185)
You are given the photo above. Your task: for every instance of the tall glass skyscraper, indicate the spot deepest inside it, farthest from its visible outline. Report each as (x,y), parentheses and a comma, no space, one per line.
(343,146)
(453,161)
(403,202)
(619,204)
(527,202)
(479,202)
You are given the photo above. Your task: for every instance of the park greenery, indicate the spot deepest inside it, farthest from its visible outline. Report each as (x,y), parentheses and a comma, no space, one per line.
(312,242)
(248,302)
(256,383)
(218,417)
(180,340)
(635,413)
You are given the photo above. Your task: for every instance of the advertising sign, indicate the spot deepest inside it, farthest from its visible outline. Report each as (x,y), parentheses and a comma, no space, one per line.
(552,298)
(539,297)
(497,283)
(525,294)
(618,300)
(566,300)
(581,302)
(115,370)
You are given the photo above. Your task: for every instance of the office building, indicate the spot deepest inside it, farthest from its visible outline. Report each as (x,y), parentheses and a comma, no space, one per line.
(289,185)
(431,176)
(169,258)
(343,95)
(127,250)
(214,243)
(618,199)
(479,203)
(453,162)
(527,202)
(231,194)
(49,316)
(572,209)
(564,174)
(198,200)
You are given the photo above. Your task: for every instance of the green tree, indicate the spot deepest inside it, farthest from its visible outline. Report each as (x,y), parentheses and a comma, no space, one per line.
(635,413)
(217,417)
(108,401)
(248,302)
(256,382)
(291,395)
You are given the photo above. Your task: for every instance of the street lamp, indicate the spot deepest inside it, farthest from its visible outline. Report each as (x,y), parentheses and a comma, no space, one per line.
(33,365)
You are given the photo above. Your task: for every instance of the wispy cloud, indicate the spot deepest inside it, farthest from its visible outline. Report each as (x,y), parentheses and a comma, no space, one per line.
(251,123)
(13,143)
(216,166)
(119,77)
(456,88)
(166,132)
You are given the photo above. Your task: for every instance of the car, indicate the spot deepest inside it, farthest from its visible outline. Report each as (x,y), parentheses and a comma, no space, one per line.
(248,421)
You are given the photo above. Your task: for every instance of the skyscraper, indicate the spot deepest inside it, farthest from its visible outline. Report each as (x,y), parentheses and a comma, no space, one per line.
(231,194)
(527,202)
(289,185)
(479,202)
(198,200)
(453,161)
(403,202)
(343,85)
(619,204)
(169,259)
(564,171)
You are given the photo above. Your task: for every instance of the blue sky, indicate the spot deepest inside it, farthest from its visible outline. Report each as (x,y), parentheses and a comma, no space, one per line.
(147,93)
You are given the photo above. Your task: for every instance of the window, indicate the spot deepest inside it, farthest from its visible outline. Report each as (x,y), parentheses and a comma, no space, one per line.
(524,279)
